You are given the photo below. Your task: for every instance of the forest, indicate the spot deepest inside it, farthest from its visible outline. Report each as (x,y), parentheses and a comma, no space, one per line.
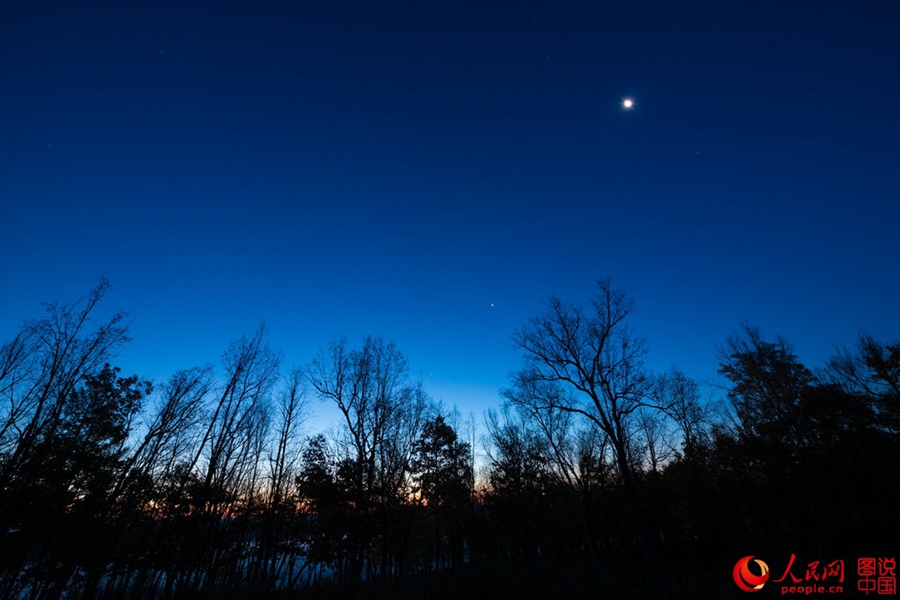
(601,479)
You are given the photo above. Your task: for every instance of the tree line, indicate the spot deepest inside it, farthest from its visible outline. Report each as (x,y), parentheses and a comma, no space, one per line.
(209,482)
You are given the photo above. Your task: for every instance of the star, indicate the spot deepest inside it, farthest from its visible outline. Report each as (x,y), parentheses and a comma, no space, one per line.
(628,103)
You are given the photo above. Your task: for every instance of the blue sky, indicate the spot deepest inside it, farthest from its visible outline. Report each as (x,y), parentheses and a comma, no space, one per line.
(432,173)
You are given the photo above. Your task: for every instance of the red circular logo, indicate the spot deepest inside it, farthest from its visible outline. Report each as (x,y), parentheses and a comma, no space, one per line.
(747,580)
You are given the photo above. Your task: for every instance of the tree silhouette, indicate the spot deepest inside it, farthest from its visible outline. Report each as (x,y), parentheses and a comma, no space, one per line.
(444,480)
(50,484)
(382,414)
(43,365)
(587,362)
(327,503)
(110,487)
(872,370)
(521,480)
(61,496)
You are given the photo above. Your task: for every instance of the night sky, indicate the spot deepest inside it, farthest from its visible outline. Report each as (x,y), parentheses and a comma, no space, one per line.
(431,172)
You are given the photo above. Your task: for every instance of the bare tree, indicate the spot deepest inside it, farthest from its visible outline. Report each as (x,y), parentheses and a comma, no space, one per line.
(538,401)
(654,446)
(380,409)
(588,363)
(275,553)
(681,396)
(42,366)
(168,433)
(596,359)
(382,414)
(251,370)
(520,481)
(228,457)
(291,411)
(18,360)
(871,369)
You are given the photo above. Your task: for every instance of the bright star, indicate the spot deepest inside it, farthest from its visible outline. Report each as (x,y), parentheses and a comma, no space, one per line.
(627,103)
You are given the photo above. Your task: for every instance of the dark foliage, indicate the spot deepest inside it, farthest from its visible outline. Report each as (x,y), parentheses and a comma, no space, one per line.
(601,478)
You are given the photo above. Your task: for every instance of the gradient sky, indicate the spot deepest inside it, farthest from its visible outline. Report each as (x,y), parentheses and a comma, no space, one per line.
(431,172)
